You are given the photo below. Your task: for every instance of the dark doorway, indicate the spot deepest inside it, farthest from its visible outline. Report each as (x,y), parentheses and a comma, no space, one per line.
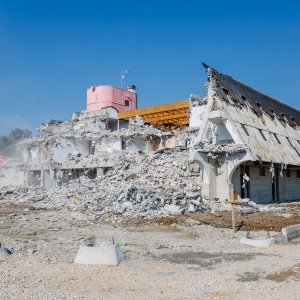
(275,186)
(245,185)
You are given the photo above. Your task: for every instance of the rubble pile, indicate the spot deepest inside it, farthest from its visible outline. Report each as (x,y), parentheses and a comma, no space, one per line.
(96,127)
(217,149)
(140,185)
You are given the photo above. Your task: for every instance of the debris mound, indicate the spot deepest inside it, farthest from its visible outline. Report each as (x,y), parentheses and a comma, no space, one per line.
(140,185)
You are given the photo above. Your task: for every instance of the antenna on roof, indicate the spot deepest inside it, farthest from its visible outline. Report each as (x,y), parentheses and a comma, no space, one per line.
(123,72)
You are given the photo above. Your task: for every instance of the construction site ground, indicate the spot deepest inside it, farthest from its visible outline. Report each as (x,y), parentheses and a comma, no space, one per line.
(191,256)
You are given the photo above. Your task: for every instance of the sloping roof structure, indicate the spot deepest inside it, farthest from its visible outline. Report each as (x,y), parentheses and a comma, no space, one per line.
(258,101)
(268,127)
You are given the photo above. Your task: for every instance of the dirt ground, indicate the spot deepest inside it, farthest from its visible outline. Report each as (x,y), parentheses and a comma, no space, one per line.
(268,221)
(188,257)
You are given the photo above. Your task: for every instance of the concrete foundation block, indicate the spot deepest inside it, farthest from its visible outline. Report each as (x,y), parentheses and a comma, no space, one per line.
(291,232)
(259,243)
(102,253)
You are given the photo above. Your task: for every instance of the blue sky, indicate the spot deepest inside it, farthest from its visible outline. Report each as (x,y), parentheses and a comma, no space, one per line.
(52,51)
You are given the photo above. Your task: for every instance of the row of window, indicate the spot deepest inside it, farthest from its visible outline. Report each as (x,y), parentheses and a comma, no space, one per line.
(275,135)
(283,116)
(262,172)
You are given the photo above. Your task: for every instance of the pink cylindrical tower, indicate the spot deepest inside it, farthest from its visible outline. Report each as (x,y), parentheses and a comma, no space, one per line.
(105,96)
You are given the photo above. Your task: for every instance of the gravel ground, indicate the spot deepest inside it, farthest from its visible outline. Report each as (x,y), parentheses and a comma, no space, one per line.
(186,261)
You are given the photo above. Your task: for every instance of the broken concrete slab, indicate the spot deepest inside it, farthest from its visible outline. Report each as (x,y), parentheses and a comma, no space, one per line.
(259,243)
(291,232)
(100,253)
(173,209)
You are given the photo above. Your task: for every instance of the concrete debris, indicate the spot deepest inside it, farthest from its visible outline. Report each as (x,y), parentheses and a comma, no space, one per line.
(89,128)
(137,186)
(137,121)
(174,210)
(196,100)
(98,164)
(213,148)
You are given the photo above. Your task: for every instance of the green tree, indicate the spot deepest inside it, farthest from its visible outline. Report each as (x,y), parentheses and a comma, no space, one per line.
(20,134)
(8,143)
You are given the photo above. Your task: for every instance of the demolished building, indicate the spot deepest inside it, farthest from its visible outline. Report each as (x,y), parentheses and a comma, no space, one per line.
(260,157)
(233,143)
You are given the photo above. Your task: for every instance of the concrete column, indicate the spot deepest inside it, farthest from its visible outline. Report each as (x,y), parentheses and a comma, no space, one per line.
(42,178)
(100,172)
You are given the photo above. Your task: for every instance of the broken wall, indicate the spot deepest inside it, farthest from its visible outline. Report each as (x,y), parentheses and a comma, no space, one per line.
(64,147)
(12,176)
(108,145)
(137,144)
(48,180)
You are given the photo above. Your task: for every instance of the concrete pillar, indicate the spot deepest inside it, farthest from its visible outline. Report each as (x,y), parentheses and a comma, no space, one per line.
(42,179)
(49,182)
(100,172)
(212,180)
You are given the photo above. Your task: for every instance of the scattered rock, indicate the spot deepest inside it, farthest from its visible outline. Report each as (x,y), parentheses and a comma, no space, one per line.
(173,209)
(4,252)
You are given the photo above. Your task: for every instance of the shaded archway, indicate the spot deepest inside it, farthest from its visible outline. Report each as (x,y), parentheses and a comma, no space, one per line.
(234,175)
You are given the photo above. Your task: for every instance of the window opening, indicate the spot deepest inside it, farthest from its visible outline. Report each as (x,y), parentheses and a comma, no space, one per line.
(293,146)
(262,170)
(245,129)
(262,134)
(277,138)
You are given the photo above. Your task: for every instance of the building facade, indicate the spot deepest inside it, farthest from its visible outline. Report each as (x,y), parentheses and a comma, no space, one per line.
(246,144)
